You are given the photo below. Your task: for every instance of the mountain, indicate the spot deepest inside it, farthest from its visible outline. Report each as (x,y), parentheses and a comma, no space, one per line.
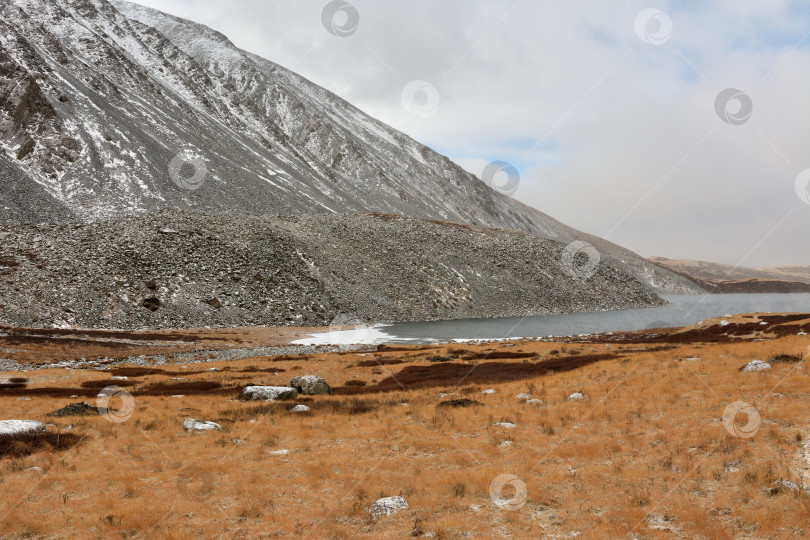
(109,106)
(724,278)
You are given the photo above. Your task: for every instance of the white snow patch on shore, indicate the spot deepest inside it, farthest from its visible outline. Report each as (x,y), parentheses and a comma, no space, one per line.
(362,335)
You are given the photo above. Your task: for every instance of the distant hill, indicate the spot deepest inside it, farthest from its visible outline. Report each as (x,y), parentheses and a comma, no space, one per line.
(724,278)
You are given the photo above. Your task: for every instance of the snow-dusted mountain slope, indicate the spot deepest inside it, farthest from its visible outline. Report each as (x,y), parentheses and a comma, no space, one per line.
(100,97)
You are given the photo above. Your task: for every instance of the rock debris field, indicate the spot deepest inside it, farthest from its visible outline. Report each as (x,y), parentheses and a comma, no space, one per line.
(193,269)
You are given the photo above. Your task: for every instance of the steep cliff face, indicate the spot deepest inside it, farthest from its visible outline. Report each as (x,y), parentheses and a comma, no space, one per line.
(30,131)
(108,100)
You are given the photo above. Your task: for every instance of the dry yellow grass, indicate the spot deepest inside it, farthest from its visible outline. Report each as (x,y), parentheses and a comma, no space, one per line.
(645,455)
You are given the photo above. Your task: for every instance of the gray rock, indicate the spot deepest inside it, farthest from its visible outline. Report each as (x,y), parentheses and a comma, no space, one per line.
(9,365)
(310,385)
(755,365)
(300,409)
(191,424)
(387,506)
(268,393)
(576,396)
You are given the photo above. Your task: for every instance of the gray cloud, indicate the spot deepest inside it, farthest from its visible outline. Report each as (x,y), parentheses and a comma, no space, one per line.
(611,135)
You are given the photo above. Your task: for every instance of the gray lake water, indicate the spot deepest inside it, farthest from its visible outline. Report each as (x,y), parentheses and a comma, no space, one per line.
(682,311)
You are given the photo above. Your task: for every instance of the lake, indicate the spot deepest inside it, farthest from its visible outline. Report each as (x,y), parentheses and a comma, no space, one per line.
(681,311)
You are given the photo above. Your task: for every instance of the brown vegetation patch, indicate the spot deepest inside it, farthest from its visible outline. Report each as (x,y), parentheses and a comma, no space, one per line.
(787,358)
(194,388)
(350,406)
(103,383)
(18,446)
(50,391)
(791,329)
(442,374)
(463,402)
(256,369)
(144,371)
(498,355)
(380,362)
(138,371)
(399,348)
(282,358)
(13,382)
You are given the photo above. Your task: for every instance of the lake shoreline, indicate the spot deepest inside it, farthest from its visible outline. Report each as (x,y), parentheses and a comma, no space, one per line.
(94,349)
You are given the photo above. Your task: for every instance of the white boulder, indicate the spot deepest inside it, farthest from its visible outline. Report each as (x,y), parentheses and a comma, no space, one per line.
(310,385)
(388,505)
(268,393)
(300,409)
(576,396)
(755,365)
(191,424)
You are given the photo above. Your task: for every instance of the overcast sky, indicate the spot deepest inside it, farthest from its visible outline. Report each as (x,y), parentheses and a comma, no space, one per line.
(608,112)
